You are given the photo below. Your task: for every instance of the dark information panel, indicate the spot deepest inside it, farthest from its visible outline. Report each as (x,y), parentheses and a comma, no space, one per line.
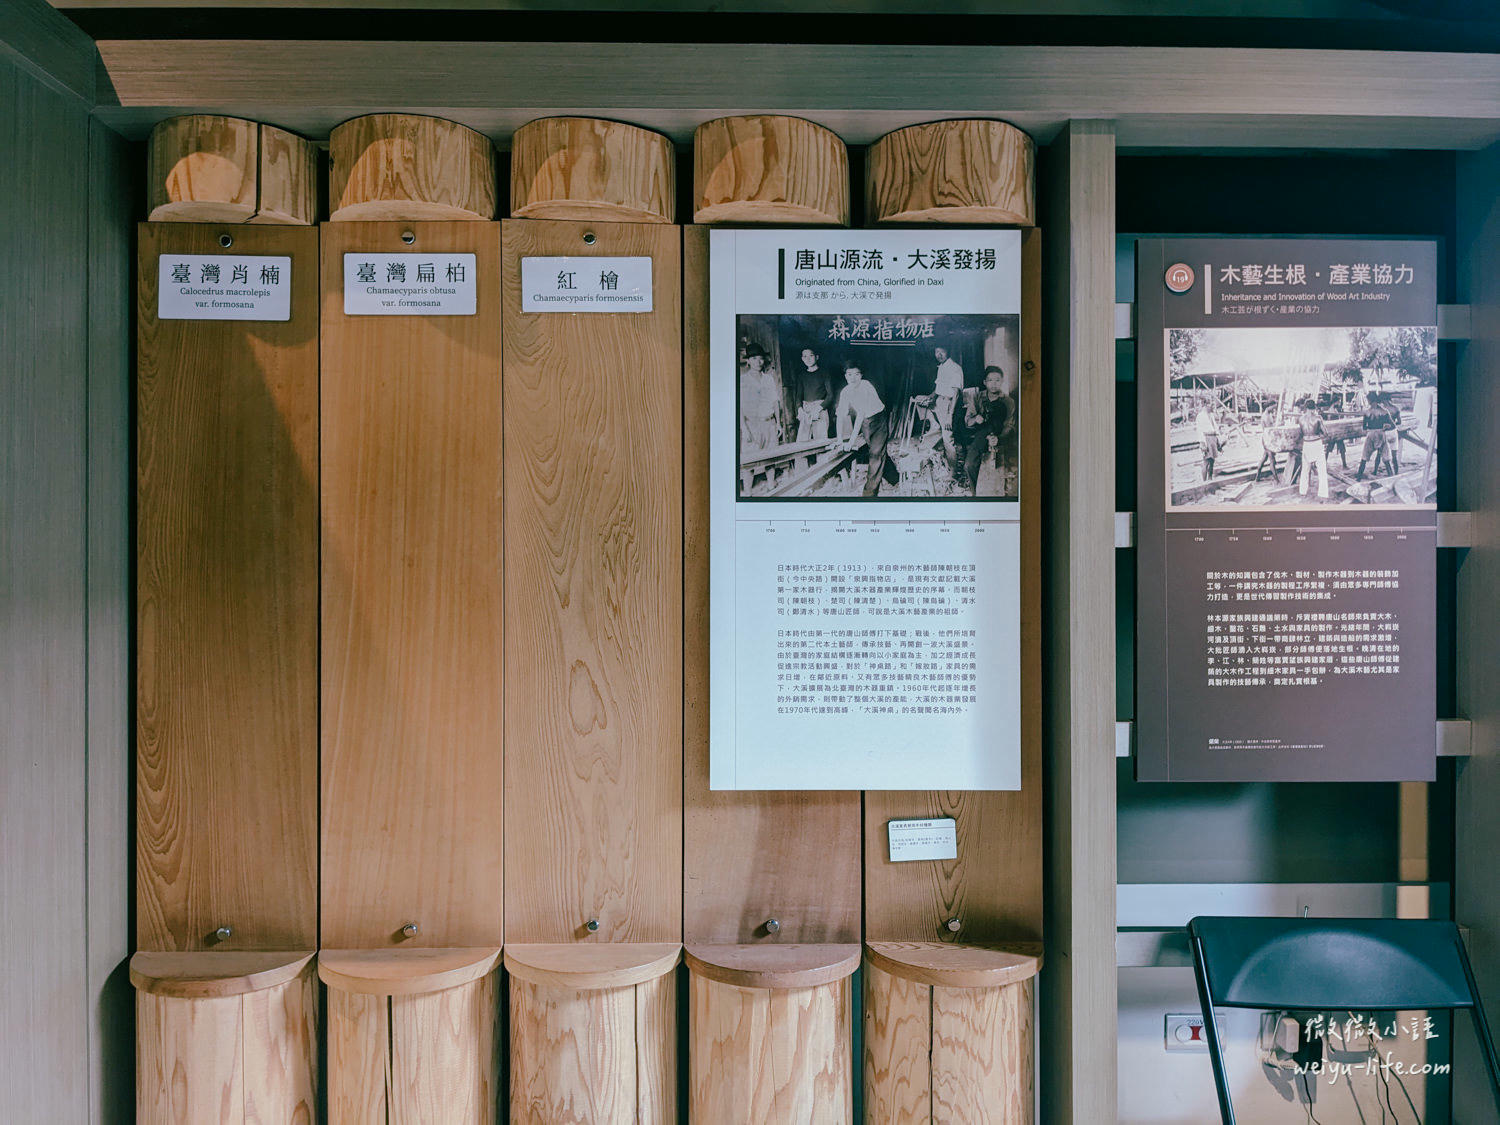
(1286,530)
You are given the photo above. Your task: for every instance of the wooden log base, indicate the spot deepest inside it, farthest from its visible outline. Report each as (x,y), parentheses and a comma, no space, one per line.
(949,965)
(414,1057)
(226,1037)
(974,172)
(202,975)
(769,169)
(936,1053)
(773,966)
(403,972)
(769,1054)
(203,168)
(407,168)
(591,170)
(596,1054)
(584,967)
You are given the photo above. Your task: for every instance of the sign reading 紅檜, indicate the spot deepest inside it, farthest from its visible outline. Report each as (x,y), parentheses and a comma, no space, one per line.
(1286,542)
(586,284)
(864,478)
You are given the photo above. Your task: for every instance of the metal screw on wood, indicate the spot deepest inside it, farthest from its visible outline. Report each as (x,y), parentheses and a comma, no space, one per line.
(410,930)
(589,237)
(408,237)
(226,240)
(953,925)
(773,925)
(592,925)
(224,933)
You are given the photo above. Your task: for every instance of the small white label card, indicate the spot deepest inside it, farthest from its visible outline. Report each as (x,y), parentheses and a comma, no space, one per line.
(223,287)
(410,284)
(586,284)
(923,839)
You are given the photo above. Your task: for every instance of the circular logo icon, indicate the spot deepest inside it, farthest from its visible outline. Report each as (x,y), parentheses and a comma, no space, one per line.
(1180,277)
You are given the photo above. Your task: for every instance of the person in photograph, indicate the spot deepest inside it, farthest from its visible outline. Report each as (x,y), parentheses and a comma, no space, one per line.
(814,399)
(1377,423)
(938,406)
(760,402)
(1339,445)
(864,422)
(1392,432)
(1314,448)
(1208,438)
(990,418)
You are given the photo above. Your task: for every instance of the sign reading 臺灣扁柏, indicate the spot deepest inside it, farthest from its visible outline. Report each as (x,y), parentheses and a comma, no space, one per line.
(410,284)
(223,287)
(865,479)
(586,284)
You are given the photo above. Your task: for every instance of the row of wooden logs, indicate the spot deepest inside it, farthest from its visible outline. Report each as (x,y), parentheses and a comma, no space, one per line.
(421,1040)
(761,169)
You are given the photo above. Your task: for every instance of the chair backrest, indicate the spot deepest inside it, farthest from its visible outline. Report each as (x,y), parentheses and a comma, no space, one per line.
(1325,964)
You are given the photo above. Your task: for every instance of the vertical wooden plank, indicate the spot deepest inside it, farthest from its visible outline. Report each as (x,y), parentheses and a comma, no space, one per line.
(982,1062)
(1476,470)
(43,408)
(443,1055)
(593,569)
(281,1052)
(810,1054)
(359,1058)
(113,195)
(729,1042)
(994,887)
(573,1058)
(1079,990)
(411,638)
(227,603)
(898,1048)
(189,1068)
(747,856)
(656,1050)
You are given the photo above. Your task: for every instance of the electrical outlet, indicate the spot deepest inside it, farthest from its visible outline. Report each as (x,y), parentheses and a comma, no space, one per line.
(1184,1031)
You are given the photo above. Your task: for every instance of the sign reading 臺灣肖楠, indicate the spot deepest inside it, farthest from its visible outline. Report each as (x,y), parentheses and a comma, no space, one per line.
(864,479)
(224,287)
(1286,544)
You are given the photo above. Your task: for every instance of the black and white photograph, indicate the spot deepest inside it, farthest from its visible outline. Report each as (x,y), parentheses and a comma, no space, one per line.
(844,407)
(1301,417)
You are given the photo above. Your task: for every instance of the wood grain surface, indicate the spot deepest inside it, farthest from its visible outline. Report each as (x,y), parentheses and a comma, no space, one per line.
(769,169)
(200,975)
(359,1058)
(405,167)
(411,621)
(982,1055)
(593,618)
(249,1058)
(580,967)
(964,171)
(403,972)
(759,1054)
(747,856)
(594,170)
(994,887)
(202,168)
(288,191)
(952,965)
(227,611)
(597,1057)
(898,1049)
(773,966)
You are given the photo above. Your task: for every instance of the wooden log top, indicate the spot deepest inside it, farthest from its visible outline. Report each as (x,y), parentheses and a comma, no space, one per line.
(592,170)
(949,965)
(970,171)
(403,972)
(206,975)
(585,967)
(769,169)
(205,168)
(408,168)
(774,966)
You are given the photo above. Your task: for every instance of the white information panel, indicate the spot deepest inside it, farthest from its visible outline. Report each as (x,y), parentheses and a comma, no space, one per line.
(223,287)
(410,284)
(586,284)
(922,839)
(864,478)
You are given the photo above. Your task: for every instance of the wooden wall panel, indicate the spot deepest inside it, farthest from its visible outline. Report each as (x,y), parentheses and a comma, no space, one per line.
(593,570)
(898,1048)
(280,1039)
(982,1057)
(189,1067)
(359,1057)
(747,856)
(411,638)
(227,604)
(444,1063)
(994,887)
